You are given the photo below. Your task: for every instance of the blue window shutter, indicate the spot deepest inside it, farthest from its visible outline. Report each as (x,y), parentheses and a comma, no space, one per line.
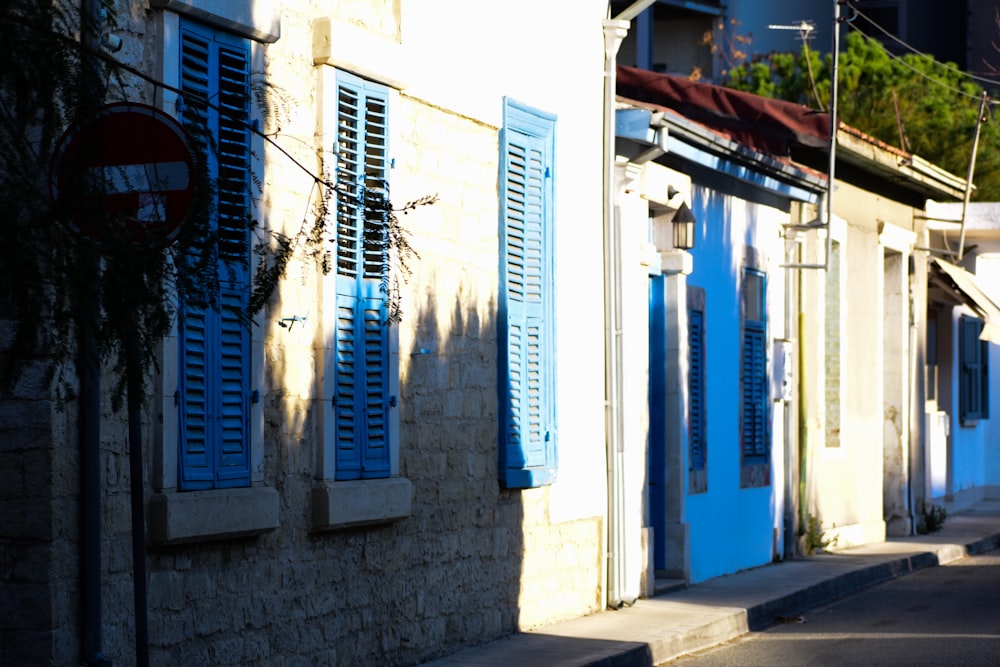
(527,454)
(362,176)
(348,415)
(375,380)
(233,175)
(196,390)
(696,389)
(214,395)
(362,384)
(754,422)
(754,395)
(966,338)
(233,390)
(215,342)
(973,390)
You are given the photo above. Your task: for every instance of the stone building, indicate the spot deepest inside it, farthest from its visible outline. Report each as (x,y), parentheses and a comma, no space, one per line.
(320,488)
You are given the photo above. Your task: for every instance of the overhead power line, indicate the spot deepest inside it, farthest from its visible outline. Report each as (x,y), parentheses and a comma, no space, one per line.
(937,82)
(915,51)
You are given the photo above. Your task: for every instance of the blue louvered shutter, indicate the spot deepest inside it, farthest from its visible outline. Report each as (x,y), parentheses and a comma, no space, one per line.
(361,399)
(527,447)
(967,402)
(754,395)
(973,391)
(197,460)
(348,419)
(696,390)
(233,450)
(754,399)
(375,381)
(215,342)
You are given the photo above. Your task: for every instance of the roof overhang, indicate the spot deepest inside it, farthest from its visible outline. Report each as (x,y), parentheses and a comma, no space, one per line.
(907,170)
(962,287)
(790,132)
(650,125)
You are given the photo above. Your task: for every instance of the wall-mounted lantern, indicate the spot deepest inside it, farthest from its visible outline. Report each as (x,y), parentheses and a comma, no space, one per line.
(684,223)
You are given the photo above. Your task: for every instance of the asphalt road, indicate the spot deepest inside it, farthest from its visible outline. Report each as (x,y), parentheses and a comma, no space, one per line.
(947,616)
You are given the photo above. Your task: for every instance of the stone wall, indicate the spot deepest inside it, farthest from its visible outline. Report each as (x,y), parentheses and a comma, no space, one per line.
(27,530)
(472,562)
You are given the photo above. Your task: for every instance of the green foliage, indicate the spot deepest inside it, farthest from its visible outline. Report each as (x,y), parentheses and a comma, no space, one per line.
(50,80)
(938,106)
(813,538)
(934,518)
(398,253)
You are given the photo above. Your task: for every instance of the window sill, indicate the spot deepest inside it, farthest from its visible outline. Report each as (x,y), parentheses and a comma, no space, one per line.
(527,478)
(360,503)
(754,475)
(697,481)
(203,516)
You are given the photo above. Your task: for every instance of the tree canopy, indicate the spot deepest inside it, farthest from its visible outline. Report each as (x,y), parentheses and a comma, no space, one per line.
(937,102)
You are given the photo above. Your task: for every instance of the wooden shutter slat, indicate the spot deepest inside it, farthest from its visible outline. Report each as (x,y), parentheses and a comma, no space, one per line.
(362,380)
(196,422)
(696,389)
(754,394)
(525,307)
(375,383)
(349,419)
(973,392)
(754,413)
(527,448)
(215,343)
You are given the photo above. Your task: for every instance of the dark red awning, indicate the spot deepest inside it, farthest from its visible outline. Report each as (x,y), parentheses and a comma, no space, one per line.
(764,124)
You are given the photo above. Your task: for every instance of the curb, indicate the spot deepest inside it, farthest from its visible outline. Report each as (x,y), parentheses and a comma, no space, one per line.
(760,616)
(983,545)
(849,583)
(673,626)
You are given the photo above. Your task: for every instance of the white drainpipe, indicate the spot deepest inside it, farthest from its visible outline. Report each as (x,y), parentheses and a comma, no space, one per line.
(615,31)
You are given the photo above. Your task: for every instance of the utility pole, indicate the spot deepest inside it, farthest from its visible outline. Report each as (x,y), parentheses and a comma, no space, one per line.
(972,170)
(89,373)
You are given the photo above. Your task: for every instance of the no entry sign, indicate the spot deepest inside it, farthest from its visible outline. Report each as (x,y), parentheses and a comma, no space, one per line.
(131,162)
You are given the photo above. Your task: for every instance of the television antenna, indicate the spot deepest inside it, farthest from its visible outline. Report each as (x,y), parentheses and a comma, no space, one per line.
(805,28)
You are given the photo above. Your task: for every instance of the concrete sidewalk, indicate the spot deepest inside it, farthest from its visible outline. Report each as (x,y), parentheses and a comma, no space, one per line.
(658,629)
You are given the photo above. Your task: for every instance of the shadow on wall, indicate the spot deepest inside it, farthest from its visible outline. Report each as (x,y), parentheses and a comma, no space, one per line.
(469,529)
(447,576)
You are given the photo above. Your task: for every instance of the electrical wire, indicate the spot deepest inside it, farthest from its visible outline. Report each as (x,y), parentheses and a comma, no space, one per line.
(937,82)
(911,49)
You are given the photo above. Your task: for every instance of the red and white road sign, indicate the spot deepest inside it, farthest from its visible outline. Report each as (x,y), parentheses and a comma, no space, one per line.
(131,161)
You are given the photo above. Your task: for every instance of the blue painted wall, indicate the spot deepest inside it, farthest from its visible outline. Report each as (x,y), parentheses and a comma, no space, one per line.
(988,272)
(991,429)
(730,528)
(969,442)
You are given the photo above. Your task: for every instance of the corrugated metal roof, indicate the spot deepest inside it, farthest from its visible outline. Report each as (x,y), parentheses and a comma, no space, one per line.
(774,127)
(758,122)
